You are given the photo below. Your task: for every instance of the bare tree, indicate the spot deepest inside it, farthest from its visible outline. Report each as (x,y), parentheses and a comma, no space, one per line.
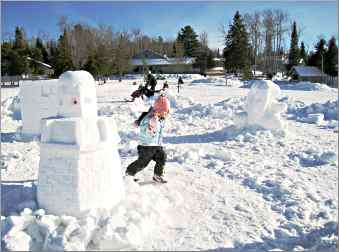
(121,53)
(253,24)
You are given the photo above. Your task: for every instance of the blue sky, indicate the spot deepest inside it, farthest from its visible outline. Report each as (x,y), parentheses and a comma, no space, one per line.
(164,18)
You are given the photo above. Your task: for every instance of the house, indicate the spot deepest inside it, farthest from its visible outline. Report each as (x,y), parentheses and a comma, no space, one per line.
(306,73)
(158,63)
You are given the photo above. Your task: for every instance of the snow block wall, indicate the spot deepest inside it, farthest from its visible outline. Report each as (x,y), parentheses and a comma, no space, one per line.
(38,100)
(262,108)
(79,167)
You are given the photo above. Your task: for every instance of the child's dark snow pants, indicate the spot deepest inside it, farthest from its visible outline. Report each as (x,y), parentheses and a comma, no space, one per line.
(146,154)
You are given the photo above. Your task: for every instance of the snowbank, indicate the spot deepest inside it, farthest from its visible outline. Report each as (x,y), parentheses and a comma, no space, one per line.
(314,113)
(210,80)
(303,86)
(314,157)
(11,107)
(123,227)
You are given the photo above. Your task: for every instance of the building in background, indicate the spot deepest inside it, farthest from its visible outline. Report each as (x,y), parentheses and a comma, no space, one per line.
(158,63)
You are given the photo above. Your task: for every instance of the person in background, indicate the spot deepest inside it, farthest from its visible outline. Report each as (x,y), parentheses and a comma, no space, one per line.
(180,82)
(151,83)
(164,88)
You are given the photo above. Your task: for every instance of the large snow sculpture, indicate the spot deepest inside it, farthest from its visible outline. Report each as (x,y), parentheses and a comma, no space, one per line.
(38,99)
(262,107)
(79,166)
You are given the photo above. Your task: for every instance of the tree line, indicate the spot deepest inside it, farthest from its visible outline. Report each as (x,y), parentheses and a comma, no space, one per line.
(101,51)
(257,41)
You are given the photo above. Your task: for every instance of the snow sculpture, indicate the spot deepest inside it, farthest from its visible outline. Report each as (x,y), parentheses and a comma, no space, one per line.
(80,165)
(262,108)
(37,100)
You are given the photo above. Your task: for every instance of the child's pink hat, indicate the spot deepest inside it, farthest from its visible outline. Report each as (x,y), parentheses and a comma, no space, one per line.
(161,106)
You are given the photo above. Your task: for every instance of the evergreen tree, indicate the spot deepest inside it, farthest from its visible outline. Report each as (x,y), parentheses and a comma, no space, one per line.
(22,52)
(210,59)
(36,56)
(6,48)
(43,50)
(189,39)
(17,66)
(236,51)
(91,66)
(331,58)
(294,54)
(303,54)
(63,61)
(317,58)
(20,43)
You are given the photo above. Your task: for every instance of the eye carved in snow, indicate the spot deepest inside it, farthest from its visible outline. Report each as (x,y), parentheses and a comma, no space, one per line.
(75,101)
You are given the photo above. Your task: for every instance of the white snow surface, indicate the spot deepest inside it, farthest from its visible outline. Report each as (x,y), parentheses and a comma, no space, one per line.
(246,189)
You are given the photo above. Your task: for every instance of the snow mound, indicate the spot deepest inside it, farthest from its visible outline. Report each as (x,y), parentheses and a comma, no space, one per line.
(121,228)
(309,86)
(11,107)
(262,107)
(210,80)
(313,113)
(314,157)
(303,86)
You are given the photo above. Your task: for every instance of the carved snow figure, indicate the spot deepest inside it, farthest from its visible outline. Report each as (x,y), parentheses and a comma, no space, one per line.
(262,108)
(80,165)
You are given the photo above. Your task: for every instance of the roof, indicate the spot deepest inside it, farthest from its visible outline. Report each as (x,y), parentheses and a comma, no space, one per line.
(163,61)
(149,54)
(39,62)
(307,71)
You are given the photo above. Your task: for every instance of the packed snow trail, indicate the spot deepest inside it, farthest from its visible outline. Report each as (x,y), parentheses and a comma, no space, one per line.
(244,189)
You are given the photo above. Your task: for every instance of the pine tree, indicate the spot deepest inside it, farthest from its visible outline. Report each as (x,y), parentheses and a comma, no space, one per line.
(317,58)
(236,51)
(43,50)
(189,40)
(17,66)
(303,54)
(294,54)
(63,60)
(36,55)
(6,48)
(331,58)
(91,66)
(20,43)
(22,52)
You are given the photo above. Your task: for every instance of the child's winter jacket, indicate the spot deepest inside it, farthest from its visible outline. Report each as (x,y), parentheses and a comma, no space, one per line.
(148,137)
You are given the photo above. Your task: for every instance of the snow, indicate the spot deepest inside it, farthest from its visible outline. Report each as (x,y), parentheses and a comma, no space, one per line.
(79,166)
(244,189)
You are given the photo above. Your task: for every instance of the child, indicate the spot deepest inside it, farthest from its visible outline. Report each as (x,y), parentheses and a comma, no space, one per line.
(150,140)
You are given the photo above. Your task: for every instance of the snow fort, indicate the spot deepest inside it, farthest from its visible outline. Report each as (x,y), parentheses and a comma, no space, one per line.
(262,107)
(79,167)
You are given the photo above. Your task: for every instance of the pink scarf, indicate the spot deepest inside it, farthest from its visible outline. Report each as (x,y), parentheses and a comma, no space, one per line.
(152,124)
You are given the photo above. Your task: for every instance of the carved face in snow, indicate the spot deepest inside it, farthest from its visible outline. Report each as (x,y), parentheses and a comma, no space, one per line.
(77,94)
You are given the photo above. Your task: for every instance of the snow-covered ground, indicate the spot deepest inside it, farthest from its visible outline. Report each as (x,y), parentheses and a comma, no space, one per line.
(242,188)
